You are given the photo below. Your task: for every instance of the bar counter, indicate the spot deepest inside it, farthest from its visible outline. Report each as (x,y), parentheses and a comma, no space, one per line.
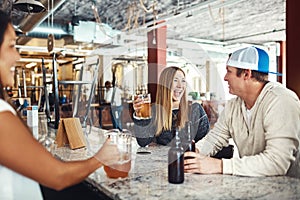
(148,178)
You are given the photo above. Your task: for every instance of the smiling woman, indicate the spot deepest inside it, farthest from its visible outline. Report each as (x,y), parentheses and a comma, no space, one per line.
(170,110)
(8,56)
(23,161)
(171,95)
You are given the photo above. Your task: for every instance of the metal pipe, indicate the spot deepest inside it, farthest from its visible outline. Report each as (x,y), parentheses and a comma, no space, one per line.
(31,21)
(24,83)
(18,83)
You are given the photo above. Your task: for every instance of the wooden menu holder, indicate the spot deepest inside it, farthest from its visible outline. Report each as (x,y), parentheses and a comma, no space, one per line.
(70,132)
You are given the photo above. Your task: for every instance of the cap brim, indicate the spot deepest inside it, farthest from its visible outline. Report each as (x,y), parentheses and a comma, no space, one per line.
(276,73)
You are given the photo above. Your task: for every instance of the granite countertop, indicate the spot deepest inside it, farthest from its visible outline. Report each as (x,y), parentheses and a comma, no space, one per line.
(148,178)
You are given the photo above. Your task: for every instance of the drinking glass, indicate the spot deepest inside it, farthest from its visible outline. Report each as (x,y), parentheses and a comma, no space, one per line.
(44,134)
(123,141)
(145,111)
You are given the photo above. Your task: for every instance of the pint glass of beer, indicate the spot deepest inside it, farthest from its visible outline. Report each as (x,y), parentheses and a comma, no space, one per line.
(145,112)
(123,140)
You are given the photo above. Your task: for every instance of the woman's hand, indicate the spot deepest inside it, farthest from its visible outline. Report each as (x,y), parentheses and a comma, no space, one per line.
(108,154)
(137,105)
(202,164)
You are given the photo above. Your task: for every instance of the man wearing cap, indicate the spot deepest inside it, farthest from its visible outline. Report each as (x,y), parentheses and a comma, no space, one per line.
(263,121)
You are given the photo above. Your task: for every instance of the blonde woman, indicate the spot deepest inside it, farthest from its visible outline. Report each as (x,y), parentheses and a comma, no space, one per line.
(170,110)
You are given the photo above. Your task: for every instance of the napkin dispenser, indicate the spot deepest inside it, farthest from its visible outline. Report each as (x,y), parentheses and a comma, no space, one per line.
(70,133)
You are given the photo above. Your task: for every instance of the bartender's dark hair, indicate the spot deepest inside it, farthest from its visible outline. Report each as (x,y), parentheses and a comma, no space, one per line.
(4,21)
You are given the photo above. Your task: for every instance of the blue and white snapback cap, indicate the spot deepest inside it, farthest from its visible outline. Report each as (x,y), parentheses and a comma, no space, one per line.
(250,58)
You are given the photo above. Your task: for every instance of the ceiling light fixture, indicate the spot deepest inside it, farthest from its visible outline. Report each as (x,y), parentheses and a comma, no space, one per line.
(46,30)
(30,6)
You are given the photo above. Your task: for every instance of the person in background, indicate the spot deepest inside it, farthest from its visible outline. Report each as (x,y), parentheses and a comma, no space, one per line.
(108,91)
(263,120)
(23,161)
(170,110)
(113,96)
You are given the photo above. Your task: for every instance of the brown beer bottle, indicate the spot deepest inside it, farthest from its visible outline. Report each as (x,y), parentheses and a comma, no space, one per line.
(190,142)
(175,161)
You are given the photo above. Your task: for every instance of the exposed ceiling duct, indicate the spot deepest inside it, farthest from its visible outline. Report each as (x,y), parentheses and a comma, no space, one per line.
(30,6)
(30,21)
(201,21)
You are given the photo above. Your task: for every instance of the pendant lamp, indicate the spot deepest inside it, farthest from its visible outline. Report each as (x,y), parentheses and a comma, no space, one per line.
(30,6)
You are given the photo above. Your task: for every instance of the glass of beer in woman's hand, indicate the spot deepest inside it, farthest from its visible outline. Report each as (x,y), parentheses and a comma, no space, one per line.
(142,105)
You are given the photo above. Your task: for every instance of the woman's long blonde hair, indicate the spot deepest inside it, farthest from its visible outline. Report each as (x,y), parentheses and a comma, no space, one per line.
(164,101)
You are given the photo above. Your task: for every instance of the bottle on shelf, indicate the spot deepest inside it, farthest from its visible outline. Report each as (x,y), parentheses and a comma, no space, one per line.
(176,161)
(24,107)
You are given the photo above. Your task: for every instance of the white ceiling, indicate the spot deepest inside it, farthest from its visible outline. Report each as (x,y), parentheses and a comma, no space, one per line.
(222,22)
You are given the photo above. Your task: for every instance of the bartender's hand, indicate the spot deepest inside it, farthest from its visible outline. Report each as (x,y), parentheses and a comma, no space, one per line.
(202,164)
(108,154)
(137,105)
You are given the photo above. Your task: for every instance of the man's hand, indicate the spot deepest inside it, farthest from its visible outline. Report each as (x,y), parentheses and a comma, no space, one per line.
(202,164)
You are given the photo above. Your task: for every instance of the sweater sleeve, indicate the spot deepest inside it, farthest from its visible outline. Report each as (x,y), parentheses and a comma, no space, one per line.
(144,129)
(269,147)
(281,132)
(217,138)
(200,121)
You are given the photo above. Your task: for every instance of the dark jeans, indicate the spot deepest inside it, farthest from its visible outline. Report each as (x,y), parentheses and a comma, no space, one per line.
(116,116)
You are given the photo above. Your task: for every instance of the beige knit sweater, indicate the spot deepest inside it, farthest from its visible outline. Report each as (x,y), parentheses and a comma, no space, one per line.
(270,146)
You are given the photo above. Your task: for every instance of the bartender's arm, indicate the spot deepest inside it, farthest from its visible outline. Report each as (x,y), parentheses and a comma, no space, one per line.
(28,157)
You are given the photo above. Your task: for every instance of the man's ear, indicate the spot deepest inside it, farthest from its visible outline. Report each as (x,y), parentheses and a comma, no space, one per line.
(247,73)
